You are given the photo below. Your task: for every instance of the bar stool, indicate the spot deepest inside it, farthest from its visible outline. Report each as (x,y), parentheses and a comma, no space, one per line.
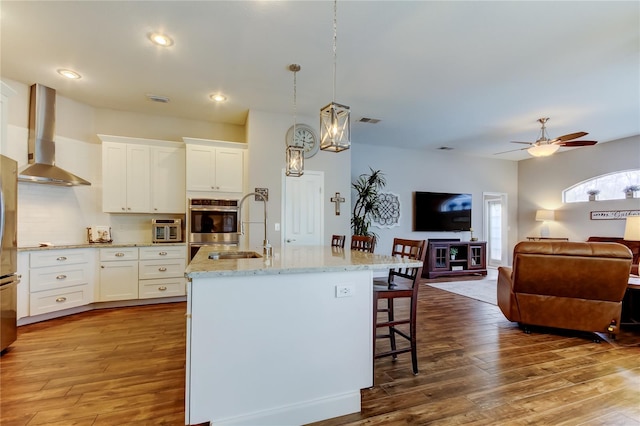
(363,243)
(338,241)
(402,283)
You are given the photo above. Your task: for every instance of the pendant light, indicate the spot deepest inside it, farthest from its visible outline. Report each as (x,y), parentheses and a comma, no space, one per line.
(295,152)
(335,119)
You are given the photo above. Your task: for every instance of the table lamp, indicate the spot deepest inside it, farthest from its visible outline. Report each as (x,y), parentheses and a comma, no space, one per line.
(632,229)
(544,216)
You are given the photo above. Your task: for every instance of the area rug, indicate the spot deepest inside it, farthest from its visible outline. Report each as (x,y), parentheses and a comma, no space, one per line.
(483,289)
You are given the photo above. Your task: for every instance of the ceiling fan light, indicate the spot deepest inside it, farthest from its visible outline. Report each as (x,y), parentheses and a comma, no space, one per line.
(543,150)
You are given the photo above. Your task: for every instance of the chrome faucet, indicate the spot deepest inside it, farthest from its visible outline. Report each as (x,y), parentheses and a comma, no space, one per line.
(267,250)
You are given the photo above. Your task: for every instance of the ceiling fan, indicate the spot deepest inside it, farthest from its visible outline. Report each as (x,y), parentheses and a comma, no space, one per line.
(544,146)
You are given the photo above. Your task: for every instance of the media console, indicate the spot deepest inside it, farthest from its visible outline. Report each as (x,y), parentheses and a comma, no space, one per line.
(455,257)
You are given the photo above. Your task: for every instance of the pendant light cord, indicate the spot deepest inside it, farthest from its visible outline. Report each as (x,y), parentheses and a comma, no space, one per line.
(335,36)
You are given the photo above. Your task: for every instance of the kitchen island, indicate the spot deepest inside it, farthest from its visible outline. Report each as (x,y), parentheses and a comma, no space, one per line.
(285,340)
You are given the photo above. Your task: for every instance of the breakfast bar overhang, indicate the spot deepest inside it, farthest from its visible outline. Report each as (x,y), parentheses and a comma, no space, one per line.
(284,340)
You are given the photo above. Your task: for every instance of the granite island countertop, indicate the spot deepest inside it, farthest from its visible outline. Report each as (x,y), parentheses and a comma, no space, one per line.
(96,245)
(292,260)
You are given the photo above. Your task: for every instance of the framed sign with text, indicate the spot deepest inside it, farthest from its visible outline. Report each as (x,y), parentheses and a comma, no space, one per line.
(613,214)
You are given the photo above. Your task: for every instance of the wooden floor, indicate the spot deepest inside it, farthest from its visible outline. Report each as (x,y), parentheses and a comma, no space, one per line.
(126,366)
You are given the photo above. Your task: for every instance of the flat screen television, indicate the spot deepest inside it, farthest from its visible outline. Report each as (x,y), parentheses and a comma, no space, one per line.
(441,212)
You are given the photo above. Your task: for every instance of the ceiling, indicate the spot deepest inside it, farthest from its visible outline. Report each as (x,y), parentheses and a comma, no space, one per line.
(471,76)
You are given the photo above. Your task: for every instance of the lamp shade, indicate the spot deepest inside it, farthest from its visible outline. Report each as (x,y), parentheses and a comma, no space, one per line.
(632,228)
(543,150)
(335,127)
(295,161)
(542,215)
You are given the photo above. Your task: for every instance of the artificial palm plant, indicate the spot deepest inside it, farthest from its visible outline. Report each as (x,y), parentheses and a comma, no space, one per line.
(368,187)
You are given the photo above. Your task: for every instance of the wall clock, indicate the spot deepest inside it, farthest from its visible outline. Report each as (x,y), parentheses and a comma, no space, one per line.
(306,137)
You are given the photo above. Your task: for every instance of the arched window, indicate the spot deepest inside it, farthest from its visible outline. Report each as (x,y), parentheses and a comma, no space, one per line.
(612,186)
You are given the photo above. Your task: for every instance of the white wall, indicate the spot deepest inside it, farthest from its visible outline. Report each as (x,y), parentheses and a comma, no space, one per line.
(266,137)
(408,170)
(542,180)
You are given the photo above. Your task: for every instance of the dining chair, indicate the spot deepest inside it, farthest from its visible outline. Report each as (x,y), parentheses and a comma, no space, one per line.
(363,243)
(401,284)
(338,241)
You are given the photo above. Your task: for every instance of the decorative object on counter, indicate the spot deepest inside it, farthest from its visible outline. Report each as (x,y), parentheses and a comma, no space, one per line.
(388,214)
(296,142)
(335,119)
(471,237)
(630,191)
(367,202)
(593,194)
(99,234)
(613,214)
(337,199)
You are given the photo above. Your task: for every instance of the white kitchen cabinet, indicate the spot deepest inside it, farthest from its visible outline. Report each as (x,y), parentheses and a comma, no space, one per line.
(214,167)
(23,286)
(161,271)
(142,175)
(168,179)
(118,274)
(60,279)
(126,178)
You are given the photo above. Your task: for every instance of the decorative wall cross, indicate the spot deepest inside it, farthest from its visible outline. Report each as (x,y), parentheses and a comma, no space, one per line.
(337,199)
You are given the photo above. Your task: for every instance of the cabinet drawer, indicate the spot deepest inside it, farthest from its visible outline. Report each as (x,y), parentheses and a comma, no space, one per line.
(171,252)
(150,269)
(122,253)
(166,287)
(58,257)
(56,277)
(56,300)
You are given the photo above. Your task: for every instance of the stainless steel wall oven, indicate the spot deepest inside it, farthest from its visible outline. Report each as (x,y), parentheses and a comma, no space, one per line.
(212,222)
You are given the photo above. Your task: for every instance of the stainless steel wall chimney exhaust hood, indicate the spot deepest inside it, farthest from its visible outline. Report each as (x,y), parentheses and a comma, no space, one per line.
(42,148)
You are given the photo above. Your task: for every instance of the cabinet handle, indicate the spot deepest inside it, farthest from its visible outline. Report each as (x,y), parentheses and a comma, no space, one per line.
(61,299)
(162,269)
(123,208)
(162,288)
(61,277)
(61,258)
(128,208)
(162,253)
(119,254)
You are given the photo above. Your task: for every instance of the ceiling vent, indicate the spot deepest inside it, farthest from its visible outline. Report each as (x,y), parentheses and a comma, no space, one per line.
(158,98)
(445,148)
(369,120)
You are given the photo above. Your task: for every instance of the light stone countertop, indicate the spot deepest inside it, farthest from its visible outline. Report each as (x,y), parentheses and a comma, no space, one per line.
(96,245)
(292,260)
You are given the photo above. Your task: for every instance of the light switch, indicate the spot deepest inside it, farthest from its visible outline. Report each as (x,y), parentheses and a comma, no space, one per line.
(277,226)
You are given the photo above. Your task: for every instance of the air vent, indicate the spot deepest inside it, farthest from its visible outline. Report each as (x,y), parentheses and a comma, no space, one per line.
(369,120)
(157,98)
(445,148)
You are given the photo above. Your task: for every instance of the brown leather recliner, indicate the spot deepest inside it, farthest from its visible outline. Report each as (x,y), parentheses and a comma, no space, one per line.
(570,285)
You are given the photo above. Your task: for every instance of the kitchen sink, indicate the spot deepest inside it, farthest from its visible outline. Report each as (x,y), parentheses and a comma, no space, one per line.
(220,255)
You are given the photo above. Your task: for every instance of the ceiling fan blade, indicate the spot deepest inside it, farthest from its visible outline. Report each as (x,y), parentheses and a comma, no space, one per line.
(571,136)
(511,150)
(528,143)
(577,143)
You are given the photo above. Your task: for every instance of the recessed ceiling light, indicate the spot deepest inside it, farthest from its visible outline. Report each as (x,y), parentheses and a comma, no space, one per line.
(160,39)
(72,75)
(218,97)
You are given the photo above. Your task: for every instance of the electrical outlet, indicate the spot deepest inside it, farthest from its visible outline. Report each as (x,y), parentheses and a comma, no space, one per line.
(276,226)
(344,291)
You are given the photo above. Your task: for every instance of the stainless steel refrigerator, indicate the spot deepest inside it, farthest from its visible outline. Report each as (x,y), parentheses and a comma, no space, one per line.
(8,251)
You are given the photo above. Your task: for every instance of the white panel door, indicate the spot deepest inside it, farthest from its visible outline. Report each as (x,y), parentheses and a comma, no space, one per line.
(229,170)
(168,181)
(303,209)
(200,168)
(114,177)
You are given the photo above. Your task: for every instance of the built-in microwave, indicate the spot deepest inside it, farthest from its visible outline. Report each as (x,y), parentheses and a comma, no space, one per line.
(167,230)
